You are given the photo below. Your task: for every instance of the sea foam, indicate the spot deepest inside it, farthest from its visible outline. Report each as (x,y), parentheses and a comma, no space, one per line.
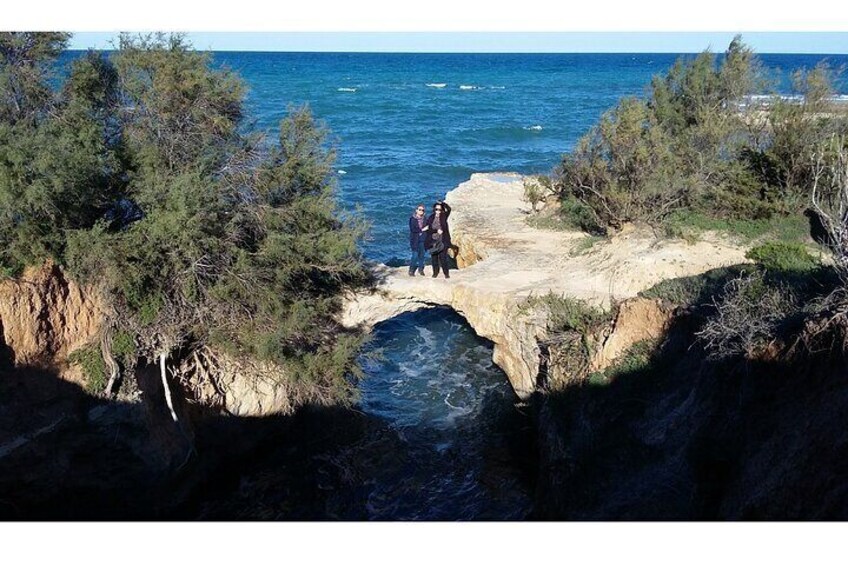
(437,84)
(346,89)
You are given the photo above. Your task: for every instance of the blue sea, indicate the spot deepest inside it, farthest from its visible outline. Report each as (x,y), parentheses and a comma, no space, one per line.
(408,128)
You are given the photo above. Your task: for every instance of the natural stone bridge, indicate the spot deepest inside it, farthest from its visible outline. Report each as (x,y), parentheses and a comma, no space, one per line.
(502,261)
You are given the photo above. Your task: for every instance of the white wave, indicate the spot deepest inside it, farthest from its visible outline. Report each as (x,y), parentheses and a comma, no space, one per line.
(342,172)
(497,87)
(537,127)
(437,84)
(469,87)
(346,89)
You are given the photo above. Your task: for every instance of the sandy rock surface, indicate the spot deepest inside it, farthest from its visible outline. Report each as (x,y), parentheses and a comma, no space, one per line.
(503,260)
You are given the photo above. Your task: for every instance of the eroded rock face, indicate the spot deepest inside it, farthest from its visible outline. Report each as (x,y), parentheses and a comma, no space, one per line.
(502,261)
(637,320)
(244,388)
(45,316)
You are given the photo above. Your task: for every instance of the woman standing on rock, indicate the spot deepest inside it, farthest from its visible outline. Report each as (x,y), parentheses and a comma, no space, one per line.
(439,240)
(417,240)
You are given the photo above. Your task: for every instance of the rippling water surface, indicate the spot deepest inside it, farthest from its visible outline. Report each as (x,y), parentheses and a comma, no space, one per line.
(462,440)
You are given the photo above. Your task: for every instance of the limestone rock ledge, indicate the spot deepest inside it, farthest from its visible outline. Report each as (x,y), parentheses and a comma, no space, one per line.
(502,260)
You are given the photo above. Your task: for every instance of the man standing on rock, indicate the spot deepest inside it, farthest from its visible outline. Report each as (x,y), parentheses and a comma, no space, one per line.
(417,239)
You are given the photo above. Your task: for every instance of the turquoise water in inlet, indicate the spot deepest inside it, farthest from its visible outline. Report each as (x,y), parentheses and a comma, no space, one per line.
(409,128)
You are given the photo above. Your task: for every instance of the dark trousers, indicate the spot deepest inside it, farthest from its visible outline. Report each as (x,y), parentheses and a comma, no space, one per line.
(417,262)
(440,258)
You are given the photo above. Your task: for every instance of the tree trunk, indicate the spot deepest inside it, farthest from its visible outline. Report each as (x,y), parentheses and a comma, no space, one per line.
(114,368)
(168,398)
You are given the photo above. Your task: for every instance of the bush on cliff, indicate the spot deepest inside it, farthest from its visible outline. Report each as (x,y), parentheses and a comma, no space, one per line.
(138,175)
(700,145)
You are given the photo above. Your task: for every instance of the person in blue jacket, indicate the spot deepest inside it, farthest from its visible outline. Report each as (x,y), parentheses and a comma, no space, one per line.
(417,240)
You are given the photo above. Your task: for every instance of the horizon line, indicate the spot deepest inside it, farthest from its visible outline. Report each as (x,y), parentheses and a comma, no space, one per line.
(382,52)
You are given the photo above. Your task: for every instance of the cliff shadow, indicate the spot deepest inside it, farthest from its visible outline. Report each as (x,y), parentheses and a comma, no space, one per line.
(68,455)
(688,438)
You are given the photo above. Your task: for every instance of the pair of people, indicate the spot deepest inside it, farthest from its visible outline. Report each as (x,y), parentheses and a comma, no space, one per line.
(431,235)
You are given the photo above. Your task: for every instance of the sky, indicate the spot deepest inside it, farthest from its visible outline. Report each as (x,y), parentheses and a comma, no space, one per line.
(505,42)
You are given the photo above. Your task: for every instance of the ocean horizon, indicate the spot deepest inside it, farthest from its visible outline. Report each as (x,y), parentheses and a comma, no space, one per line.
(408,127)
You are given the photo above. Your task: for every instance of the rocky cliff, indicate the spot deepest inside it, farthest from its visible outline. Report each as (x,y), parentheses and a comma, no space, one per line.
(502,261)
(45,316)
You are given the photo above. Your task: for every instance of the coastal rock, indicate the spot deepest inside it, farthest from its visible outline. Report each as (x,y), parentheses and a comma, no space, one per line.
(638,319)
(502,261)
(240,387)
(45,316)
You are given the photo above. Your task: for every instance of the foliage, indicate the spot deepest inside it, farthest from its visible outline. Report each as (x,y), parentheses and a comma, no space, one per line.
(783,256)
(536,191)
(566,313)
(94,371)
(748,316)
(693,290)
(830,198)
(690,225)
(571,327)
(619,169)
(58,161)
(637,359)
(701,147)
(584,244)
(138,174)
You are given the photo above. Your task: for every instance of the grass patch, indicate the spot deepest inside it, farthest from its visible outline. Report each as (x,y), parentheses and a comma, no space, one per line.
(583,245)
(691,225)
(571,215)
(598,378)
(636,359)
(567,314)
(792,257)
(550,222)
(93,367)
(695,289)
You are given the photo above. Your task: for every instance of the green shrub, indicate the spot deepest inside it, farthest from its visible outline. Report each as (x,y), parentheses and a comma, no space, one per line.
(578,215)
(783,256)
(636,359)
(598,378)
(571,214)
(536,191)
(690,225)
(138,173)
(566,313)
(699,155)
(749,314)
(584,244)
(94,371)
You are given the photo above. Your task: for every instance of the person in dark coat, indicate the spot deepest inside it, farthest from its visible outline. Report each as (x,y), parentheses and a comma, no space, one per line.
(417,240)
(438,239)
